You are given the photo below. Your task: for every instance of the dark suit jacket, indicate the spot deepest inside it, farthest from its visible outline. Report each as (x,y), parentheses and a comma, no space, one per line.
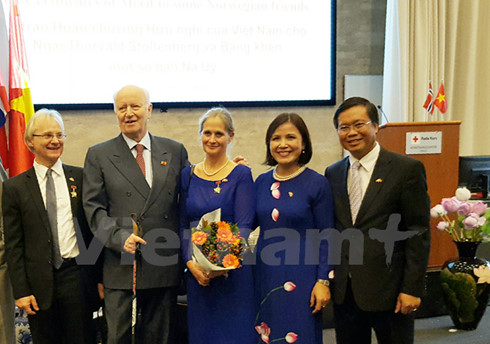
(28,236)
(397,186)
(7,307)
(115,188)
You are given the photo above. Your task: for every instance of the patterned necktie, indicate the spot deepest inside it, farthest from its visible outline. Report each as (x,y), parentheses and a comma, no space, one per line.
(52,210)
(139,158)
(355,191)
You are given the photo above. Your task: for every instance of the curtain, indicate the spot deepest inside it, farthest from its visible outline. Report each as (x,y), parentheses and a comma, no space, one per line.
(433,41)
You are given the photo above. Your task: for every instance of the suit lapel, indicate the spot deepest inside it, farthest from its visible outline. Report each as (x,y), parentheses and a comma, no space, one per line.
(32,186)
(125,162)
(160,161)
(382,169)
(337,175)
(73,188)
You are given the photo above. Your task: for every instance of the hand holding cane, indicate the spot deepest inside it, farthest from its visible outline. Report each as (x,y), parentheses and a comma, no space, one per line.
(132,246)
(134,309)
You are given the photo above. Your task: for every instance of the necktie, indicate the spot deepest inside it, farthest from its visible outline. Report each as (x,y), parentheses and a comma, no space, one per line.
(52,210)
(355,191)
(139,158)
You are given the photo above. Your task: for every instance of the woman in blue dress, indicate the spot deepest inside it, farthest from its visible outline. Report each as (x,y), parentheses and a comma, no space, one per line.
(221,307)
(293,204)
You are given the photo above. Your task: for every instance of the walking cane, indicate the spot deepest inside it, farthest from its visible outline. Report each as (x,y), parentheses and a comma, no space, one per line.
(134,309)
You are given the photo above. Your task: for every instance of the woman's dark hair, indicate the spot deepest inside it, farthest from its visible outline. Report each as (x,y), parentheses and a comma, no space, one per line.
(371,109)
(298,122)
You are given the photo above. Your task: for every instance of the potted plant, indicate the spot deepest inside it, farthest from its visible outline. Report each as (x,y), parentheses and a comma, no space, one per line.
(465,282)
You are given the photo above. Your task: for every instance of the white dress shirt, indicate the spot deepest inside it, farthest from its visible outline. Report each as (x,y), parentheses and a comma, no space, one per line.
(145,141)
(66,231)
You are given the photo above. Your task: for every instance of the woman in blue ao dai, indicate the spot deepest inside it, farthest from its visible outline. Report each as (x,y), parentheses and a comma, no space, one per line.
(293,204)
(221,308)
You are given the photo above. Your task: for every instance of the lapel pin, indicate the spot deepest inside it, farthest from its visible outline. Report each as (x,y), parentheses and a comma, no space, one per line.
(224,180)
(379,180)
(73,191)
(290,194)
(163,163)
(71,179)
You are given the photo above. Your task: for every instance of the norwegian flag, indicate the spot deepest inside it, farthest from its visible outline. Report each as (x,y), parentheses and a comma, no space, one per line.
(4,109)
(429,104)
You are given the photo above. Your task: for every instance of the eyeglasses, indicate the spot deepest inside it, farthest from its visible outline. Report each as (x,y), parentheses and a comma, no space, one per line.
(357,127)
(49,137)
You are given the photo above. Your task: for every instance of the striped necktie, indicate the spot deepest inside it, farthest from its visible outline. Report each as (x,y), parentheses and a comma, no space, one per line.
(355,191)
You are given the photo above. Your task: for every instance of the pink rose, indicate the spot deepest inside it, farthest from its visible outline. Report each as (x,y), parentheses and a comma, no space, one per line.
(450,204)
(479,208)
(289,286)
(443,225)
(473,221)
(464,209)
(437,211)
(291,337)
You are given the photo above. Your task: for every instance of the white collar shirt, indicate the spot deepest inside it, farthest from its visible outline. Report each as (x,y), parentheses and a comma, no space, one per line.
(367,167)
(66,230)
(145,141)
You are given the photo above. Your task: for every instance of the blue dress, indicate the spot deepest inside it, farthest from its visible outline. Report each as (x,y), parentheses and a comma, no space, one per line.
(286,212)
(224,311)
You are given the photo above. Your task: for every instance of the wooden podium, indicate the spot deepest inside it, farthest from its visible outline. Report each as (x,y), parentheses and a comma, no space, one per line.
(442,173)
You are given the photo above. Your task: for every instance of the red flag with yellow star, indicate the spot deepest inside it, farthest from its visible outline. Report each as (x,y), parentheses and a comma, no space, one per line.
(21,108)
(441,101)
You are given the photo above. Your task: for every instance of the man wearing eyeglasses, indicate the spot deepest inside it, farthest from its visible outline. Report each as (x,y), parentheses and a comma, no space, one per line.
(384,195)
(44,221)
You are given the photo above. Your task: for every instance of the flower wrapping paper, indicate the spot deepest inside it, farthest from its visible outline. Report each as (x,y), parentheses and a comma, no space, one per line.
(197,255)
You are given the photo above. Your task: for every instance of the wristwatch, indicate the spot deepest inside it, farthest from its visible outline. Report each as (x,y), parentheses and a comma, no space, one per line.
(324,282)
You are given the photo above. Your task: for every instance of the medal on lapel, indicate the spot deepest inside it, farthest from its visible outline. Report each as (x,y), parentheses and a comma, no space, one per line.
(73,191)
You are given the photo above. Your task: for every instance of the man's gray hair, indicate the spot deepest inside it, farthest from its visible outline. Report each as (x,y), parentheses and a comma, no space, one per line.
(42,113)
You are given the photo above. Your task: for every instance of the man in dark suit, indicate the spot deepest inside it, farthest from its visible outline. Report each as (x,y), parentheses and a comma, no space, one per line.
(44,227)
(7,310)
(384,195)
(136,173)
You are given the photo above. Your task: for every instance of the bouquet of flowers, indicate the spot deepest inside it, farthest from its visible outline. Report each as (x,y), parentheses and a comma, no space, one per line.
(217,245)
(471,221)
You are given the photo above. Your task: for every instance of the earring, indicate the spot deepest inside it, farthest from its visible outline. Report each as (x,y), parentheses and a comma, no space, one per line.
(303,152)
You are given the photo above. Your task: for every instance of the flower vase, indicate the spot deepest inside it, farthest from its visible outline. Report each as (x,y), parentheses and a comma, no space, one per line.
(466,299)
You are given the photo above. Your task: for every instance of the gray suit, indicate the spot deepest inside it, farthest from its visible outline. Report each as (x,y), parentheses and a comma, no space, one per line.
(115,188)
(7,305)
